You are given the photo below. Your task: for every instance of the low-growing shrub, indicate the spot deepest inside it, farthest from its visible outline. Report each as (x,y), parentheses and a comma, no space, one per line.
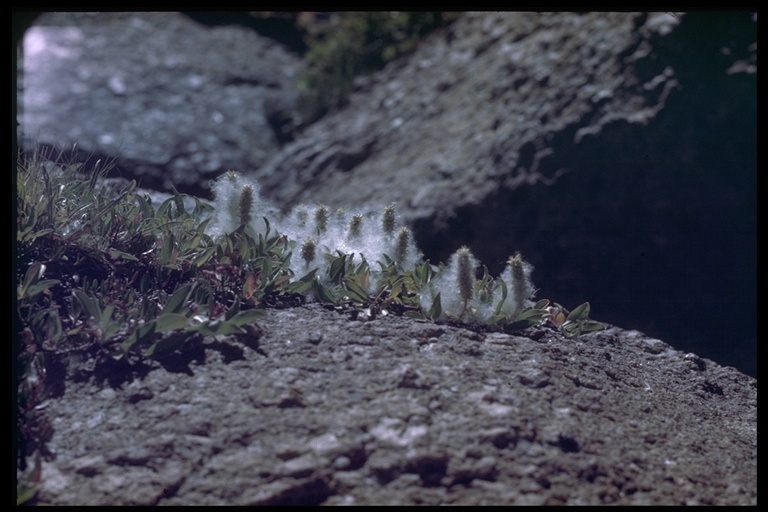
(109,275)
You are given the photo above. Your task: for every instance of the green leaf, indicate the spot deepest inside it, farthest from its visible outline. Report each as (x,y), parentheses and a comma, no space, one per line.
(108,327)
(363,267)
(165,346)
(204,256)
(177,303)
(503,296)
(337,269)
(53,328)
(246,317)
(115,254)
(31,220)
(397,287)
(170,322)
(193,243)
(298,286)
(142,334)
(203,225)
(114,202)
(526,318)
(266,269)
(162,211)
(437,309)
(25,492)
(38,288)
(388,262)
(302,284)
(145,204)
(580,313)
(356,291)
(542,304)
(591,326)
(33,274)
(37,234)
(233,310)
(169,245)
(145,283)
(89,305)
(531,313)
(200,209)
(497,319)
(324,294)
(571,328)
(266,223)
(178,200)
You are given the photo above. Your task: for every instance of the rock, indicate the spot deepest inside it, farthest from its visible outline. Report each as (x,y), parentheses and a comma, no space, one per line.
(586,142)
(174,102)
(596,420)
(616,151)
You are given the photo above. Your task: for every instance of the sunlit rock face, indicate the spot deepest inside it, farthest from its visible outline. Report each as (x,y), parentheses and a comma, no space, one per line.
(175,102)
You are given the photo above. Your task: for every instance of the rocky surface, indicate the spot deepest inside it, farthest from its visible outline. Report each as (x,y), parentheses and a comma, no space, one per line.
(616,151)
(323,410)
(418,127)
(173,101)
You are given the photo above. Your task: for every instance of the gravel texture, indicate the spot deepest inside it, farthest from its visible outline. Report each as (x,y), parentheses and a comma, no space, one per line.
(322,409)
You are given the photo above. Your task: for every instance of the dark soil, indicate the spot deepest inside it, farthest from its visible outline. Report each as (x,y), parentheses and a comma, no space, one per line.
(321,409)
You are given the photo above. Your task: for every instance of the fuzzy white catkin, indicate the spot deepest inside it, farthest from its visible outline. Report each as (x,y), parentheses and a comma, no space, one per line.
(308,251)
(238,202)
(388,219)
(231,200)
(321,219)
(517,277)
(465,278)
(246,205)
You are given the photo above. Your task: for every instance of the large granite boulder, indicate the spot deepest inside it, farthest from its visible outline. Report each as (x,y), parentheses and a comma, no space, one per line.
(323,410)
(174,102)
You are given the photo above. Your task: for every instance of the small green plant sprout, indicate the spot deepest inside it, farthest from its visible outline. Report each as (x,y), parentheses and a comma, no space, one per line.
(576,323)
(388,220)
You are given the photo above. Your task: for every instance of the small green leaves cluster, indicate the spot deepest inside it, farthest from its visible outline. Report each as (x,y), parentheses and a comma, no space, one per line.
(454,293)
(114,272)
(117,278)
(576,322)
